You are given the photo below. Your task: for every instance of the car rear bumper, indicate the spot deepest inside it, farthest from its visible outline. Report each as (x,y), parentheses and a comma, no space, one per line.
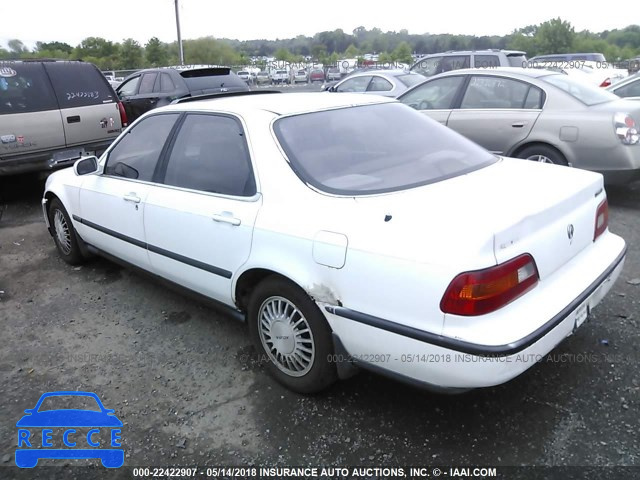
(45,161)
(447,362)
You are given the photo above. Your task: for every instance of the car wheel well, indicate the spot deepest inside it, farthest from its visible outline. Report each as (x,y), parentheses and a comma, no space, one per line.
(524,146)
(249,280)
(49,197)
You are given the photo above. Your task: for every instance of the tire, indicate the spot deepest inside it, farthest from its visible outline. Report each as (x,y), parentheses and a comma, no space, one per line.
(64,234)
(300,358)
(543,154)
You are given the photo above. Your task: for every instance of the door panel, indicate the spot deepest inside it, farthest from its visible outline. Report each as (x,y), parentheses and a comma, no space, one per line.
(91,123)
(111,214)
(495,130)
(198,240)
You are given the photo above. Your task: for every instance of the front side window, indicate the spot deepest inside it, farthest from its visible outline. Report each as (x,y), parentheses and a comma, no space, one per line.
(374,149)
(436,94)
(494,92)
(24,87)
(130,87)
(210,154)
(379,84)
(356,84)
(147,82)
(136,155)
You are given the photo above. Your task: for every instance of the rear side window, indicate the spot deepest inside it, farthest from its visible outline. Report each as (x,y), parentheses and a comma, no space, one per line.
(494,92)
(517,60)
(486,61)
(210,155)
(24,87)
(79,84)
(136,155)
(379,84)
(630,90)
(166,83)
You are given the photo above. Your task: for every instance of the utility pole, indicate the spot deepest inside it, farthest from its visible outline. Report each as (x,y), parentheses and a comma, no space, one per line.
(179,37)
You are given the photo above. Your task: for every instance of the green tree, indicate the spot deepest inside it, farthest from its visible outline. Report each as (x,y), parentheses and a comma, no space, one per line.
(384,57)
(351,51)
(402,53)
(283,55)
(16,47)
(130,54)
(54,46)
(156,52)
(555,36)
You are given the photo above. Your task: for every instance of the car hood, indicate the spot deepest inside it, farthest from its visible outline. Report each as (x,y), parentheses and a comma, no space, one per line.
(69,418)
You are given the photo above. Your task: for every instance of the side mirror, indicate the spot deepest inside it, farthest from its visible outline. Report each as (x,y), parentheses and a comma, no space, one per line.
(86,165)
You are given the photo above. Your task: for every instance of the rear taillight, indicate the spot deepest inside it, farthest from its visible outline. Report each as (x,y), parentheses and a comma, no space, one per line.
(123,115)
(484,291)
(602,219)
(626,129)
(606,83)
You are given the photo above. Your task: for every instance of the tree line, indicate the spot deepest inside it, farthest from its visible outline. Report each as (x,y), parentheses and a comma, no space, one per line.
(553,36)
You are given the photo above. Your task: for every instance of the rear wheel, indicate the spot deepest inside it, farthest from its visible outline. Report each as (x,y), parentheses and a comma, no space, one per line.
(64,234)
(543,154)
(287,326)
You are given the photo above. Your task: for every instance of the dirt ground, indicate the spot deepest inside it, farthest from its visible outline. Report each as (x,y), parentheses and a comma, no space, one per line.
(185,382)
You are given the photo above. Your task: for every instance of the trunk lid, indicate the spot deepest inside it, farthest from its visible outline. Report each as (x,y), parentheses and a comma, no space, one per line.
(487,217)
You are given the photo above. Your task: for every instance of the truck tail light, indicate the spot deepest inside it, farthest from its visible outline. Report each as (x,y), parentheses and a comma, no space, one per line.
(123,115)
(602,219)
(484,291)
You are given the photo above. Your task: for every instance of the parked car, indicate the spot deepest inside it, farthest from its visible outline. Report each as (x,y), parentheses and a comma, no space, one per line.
(280,76)
(333,74)
(245,76)
(455,243)
(537,115)
(301,76)
(434,64)
(155,87)
(54,112)
(316,75)
(389,83)
(263,78)
(562,58)
(628,88)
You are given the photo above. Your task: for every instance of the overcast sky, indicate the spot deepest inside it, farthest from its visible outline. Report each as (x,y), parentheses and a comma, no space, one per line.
(71,21)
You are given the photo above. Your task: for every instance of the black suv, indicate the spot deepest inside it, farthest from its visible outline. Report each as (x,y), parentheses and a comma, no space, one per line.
(155,87)
(53,112)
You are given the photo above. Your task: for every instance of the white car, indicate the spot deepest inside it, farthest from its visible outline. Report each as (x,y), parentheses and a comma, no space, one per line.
(348,230)
(280,76)
(301,76)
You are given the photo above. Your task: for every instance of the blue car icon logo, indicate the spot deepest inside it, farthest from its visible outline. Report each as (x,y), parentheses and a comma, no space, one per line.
(69,433)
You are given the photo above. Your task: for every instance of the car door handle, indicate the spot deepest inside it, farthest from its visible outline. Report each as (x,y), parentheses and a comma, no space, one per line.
(73,119)
(132,197)
(226,218)
(517,124)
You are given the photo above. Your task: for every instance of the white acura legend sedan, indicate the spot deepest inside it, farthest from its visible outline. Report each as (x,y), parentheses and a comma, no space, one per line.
(349,231)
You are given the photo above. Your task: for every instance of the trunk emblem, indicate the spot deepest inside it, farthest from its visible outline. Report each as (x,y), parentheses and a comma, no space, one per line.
(570,231)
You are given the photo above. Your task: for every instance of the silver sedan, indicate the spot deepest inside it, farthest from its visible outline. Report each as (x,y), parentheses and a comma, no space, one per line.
(537,115)
(388,83)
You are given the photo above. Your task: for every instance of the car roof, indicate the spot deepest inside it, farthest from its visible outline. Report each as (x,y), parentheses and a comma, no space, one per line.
(466,52)
(525,72)
(281,104)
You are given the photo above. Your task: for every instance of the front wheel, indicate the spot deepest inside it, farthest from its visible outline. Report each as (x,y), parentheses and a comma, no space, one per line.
(64,234)
(543,154)
(287,326)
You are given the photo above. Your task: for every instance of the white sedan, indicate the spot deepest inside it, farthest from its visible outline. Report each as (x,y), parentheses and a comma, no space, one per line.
(349,231)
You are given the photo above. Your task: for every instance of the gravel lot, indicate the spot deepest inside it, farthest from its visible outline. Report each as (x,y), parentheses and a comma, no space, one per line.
(185,381)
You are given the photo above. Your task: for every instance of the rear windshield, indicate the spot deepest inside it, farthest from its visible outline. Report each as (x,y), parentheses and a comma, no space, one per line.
(205,79)
(517,60)
(411,79)
(79,84)
(374,149)
(580,90)
(24,87)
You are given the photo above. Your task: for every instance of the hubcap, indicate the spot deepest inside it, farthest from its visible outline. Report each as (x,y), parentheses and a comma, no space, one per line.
(63,234)
(286,336)
(540,158)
